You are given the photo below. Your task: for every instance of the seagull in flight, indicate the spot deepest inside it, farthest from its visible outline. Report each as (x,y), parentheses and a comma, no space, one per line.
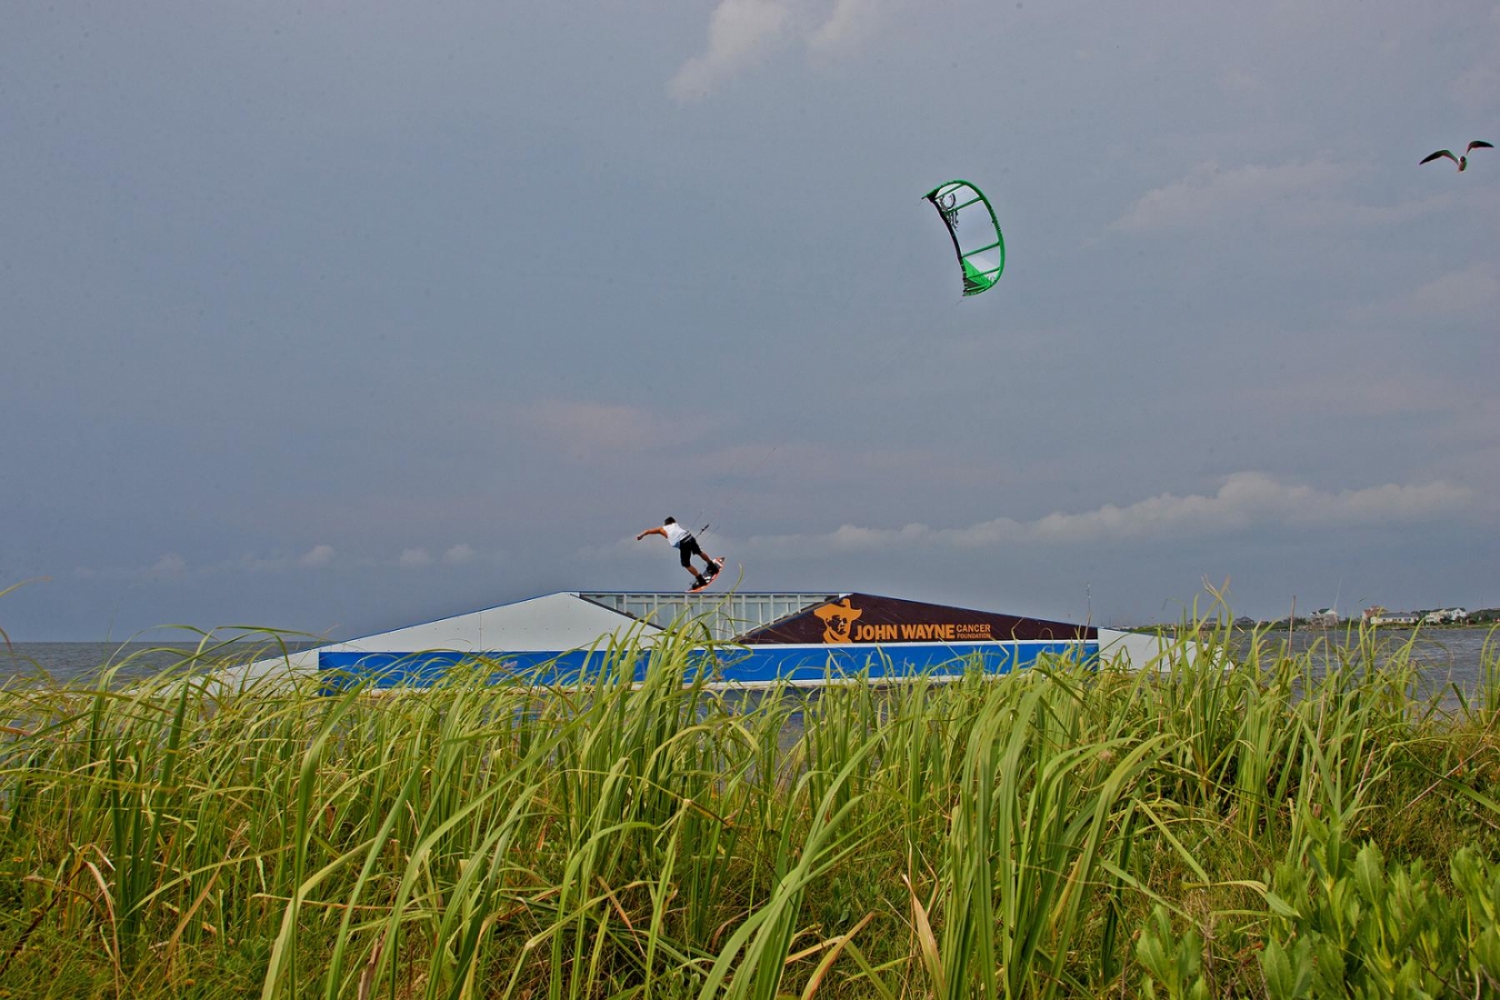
(1462,161)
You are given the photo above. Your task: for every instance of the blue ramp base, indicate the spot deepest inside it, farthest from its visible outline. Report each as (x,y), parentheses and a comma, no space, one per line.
(728,666)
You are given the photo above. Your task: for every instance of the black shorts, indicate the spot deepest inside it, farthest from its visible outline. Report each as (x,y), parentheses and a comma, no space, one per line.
(687,548)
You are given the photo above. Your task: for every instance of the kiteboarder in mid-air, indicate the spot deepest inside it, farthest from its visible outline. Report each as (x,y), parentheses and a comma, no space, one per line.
(687,546)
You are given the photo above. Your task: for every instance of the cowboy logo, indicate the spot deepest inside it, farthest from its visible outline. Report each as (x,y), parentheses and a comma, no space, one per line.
(838,620)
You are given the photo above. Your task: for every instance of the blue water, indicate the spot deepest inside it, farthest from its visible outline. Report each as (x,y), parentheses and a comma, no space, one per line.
(1451,660)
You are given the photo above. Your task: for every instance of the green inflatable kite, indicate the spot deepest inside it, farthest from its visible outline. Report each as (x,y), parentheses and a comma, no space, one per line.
(975,231)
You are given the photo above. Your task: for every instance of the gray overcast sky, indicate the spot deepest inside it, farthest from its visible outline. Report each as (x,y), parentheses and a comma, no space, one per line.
(338,317)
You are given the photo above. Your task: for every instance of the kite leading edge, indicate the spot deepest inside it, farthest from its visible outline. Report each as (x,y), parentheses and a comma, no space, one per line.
(977,239)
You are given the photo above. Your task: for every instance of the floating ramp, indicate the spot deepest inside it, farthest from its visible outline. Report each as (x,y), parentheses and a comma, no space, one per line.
(757,639)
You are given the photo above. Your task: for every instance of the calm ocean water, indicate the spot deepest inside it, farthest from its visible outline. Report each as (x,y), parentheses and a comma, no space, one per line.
(75,662)
(1450,659)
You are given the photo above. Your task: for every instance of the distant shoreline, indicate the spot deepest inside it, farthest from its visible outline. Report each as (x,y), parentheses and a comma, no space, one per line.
(1488,618)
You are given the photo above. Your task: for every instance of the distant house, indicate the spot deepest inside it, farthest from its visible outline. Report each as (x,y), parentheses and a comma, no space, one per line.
(1445,616)
(1373,611)
(1323,618)
(1395,618)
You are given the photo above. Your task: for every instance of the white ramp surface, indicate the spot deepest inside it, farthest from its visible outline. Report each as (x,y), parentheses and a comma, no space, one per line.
(554,622)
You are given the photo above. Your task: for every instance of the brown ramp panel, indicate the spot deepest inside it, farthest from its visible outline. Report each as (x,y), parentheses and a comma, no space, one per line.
(856,619)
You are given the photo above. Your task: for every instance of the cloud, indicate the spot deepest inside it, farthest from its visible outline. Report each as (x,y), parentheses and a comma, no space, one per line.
(740,32)
(1478,87)
(174,567)
(1474,432)
(1357,392)
(1209,193)
(585,428)
(316,557)
(1246,500)
(1473,289)
(170,566)
(420,556)
(1299,196)
(1470,293)
(414,557)
(1241,82)
(842,465)
(848,24)
(743,33)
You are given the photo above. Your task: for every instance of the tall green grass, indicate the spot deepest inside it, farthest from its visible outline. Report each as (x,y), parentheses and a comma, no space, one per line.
(1289,826)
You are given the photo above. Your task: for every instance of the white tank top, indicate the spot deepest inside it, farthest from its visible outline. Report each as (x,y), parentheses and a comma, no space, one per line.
(675,533)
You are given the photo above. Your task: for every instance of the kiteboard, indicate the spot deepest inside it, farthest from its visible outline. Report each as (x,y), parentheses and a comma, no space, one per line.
(718,567)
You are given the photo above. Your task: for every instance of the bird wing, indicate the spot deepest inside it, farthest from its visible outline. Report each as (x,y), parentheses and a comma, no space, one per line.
(1478,144)
(1442,152)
